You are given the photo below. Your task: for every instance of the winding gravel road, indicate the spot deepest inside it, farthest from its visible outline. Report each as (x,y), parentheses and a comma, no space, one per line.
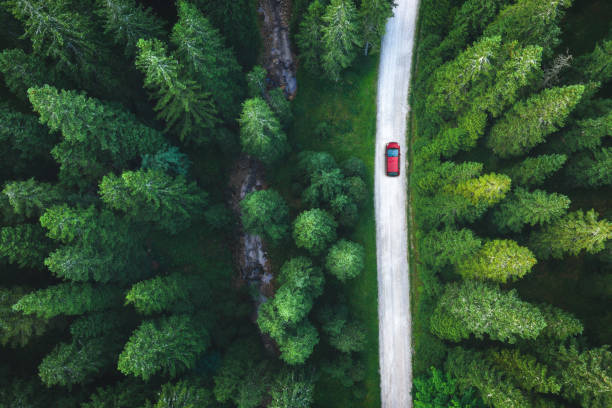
(394,325)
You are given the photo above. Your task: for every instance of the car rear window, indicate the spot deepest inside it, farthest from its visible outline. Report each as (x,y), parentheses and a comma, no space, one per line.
(393,173)
(392,152)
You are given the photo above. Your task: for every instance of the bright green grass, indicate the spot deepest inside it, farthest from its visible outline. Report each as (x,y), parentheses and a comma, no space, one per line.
(349,108)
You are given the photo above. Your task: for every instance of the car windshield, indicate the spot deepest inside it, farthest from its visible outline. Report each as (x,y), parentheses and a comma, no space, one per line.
(392,152)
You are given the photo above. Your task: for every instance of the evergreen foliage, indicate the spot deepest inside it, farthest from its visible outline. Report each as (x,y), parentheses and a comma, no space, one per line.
(24,245)
(572,234)
(310,37)
(499,260)
(314,230)
(17,329)
(264,212)
(260,132)
(292,390)
(168,345)
(529,208)
(441,391)
(534,170)
(374,15)
(345,260)
(340,37)
(479,308)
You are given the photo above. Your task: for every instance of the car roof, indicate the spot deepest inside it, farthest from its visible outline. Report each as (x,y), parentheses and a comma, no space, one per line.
(392,145)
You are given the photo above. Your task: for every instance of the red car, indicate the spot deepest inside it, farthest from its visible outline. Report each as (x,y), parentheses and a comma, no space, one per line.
(392,153)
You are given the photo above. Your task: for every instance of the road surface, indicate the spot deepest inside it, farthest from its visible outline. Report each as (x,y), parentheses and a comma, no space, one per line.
(390,206)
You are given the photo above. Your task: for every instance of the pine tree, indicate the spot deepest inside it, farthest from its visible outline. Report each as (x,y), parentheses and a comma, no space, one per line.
(310,37)
(172,292)
(260,133)
(31,198)
(587,134)
(529,122)
(340,37)
(57,30)
(531,22)
(168,345)
(485,190)
(499,260)
(292,389)
(529,208)
(591,169)
(441,390)
(560,324)
(345,260)
(74,363)
(169,160)
(373,15)
(17,329)
(256,82)
(181,102)
(454,81)
(314,230)
(525,371)
(479,308)
(596,66)
(22,71)
(183,394)
(96,136)
(345,369)
(281,106)
(534,170)
(125,393)
(26,144)
(153,196)
(586,376)
(325,186)
(449,246)
(243,376)
(127,22)
(471,369)
(265,212)
(432,180)
(100,246)
(571,234)
(200,47)
(24,245)
(70,299)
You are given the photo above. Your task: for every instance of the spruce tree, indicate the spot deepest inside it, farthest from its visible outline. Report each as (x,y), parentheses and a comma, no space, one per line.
(310,37)
(22,71)
(471,369)
(171,203)
(208,60)
(592,169)
(75,363)
(185,394)
(560,324)
(499,260)
(485,190)
(531,22)
(31,198)
(260,132)
(525,371)
(24,245)
(449,246)
(340,37)
(529,122)
(535,170)
(168,345)
(292,389)
(529,208)
(182,103)
(127,22)
(57,31)
(299,343)
(479,308)
(572,234)
(596,66)
(17,329)
(69,299)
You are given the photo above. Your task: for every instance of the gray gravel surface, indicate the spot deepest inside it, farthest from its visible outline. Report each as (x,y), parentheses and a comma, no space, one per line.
(390,206)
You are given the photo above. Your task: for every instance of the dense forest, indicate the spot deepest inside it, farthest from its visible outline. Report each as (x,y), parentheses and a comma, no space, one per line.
(511,188)
(120,121)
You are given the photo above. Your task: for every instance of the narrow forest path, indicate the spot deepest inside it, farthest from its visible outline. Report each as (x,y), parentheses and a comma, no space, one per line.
(390,201)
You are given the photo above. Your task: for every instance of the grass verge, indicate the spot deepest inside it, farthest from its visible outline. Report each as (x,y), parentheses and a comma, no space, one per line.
(349,110)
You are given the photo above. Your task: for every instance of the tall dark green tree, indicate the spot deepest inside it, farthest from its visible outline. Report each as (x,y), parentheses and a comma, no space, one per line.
(574,233)
(24,245)
(208,60)
(168,345)
(310,37)
(17,329)
(340,37)
(373,15)
(260,132)
(172,203)
(265,212)
(529,208)
(182,103)
(535,170)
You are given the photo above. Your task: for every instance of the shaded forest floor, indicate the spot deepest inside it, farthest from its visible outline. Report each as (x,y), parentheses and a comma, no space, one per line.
(349,111)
